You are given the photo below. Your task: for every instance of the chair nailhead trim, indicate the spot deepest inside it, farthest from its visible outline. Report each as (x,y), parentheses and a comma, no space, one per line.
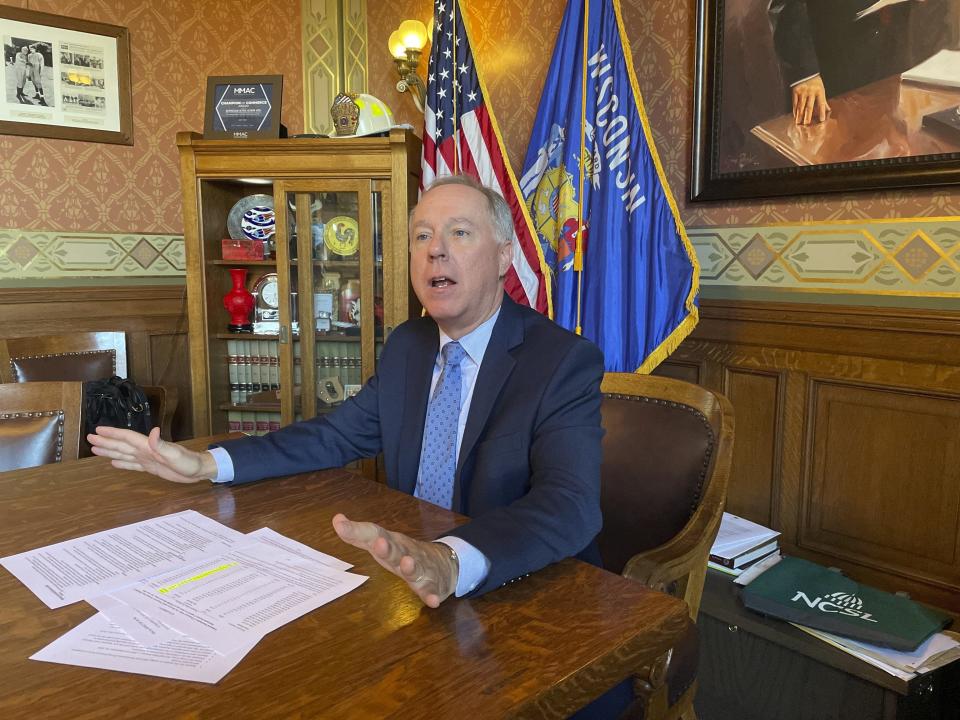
(112,353)
(44,413)
(696,413)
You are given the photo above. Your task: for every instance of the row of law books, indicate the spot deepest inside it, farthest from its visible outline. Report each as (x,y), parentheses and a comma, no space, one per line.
(742,544)
(253,366)
(252,423)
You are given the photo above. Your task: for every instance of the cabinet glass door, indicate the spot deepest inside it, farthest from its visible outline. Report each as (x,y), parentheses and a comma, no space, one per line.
(334,307)
(239,256)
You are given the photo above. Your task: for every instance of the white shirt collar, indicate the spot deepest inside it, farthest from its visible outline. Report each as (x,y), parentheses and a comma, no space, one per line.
(474,342)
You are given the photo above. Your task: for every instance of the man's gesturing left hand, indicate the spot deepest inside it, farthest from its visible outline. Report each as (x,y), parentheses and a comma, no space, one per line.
(429,568)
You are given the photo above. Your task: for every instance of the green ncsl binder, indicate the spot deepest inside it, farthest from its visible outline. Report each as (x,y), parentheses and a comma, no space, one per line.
(810,594)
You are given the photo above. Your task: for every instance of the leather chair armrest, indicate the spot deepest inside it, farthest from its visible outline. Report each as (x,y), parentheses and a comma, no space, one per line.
(678,567)
(662,567)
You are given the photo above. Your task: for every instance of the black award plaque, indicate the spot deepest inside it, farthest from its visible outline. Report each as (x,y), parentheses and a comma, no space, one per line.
(243,107)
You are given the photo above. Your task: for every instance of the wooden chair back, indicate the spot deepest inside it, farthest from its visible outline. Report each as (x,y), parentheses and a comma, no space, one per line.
(663,484)
(666,464)
(39,423)
(76,356)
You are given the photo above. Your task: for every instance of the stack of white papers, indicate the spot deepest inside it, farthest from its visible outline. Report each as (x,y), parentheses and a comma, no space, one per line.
(180,596)
(941,69)
(936,651)
(738,534)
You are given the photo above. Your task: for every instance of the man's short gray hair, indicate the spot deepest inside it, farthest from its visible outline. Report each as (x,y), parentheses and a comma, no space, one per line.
(500,216)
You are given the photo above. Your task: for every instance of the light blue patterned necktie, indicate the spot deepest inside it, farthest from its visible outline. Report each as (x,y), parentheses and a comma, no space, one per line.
(438,462)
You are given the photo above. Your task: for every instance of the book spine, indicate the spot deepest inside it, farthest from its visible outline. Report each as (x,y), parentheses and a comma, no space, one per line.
(721,568)
(243,371)
(273,352)
(234,421)
(233,372)
(726,562)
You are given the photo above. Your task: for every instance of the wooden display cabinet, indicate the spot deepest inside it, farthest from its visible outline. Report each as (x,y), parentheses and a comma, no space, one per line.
(340,258)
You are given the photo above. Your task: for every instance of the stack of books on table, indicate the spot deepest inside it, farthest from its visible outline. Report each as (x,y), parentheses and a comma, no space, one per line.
(742,544)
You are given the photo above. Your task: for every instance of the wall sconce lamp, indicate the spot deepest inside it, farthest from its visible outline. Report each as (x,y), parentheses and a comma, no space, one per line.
(406,44)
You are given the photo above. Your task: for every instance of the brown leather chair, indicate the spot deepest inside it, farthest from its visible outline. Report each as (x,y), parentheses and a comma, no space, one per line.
(80,356)
(666,462)
(39,423)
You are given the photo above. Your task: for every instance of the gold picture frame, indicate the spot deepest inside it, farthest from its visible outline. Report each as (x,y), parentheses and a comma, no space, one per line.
(880,126)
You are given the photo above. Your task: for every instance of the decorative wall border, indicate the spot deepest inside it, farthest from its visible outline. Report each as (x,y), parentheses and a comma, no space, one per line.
(907,256)
(55,255)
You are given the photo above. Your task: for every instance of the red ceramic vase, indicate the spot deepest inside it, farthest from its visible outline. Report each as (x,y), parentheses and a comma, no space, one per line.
(239,302)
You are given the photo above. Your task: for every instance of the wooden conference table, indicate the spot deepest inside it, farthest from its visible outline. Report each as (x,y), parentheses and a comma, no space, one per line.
(539,647)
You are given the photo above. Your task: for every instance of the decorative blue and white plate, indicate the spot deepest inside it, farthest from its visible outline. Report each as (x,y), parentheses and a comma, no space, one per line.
(258,223)
(252,217)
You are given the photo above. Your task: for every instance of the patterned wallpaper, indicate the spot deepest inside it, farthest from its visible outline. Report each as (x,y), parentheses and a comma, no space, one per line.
(58,185)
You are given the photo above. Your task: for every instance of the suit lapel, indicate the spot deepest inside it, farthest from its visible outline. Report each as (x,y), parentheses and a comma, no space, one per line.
(419,373)
(494,371)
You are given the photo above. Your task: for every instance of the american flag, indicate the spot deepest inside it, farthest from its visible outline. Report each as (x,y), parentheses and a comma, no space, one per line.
(461,136)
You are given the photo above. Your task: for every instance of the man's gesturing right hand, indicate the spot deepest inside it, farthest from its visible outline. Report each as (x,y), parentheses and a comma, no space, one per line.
(130,450)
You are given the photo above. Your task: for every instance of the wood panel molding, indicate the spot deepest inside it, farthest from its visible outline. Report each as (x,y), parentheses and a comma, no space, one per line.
(883,454)
(153,317)
(756,459)
(848,433)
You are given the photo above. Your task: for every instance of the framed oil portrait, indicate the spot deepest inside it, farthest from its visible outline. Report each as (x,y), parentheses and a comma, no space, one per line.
(810,96)
(65,78)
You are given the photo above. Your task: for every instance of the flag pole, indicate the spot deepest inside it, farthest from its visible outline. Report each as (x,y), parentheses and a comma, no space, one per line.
(578,252)
(453,89)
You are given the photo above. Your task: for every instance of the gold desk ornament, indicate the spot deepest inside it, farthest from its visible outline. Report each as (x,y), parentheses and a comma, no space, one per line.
(345,113)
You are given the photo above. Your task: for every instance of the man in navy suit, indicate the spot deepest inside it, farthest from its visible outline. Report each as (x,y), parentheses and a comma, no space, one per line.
(827,47)
(524,463)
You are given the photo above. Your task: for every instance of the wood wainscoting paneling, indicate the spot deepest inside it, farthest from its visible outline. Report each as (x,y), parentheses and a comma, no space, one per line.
(153,317)
(756,458)
(848,433)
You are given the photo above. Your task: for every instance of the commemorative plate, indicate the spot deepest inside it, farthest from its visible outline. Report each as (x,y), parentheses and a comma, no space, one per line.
(252,218)
(341,235)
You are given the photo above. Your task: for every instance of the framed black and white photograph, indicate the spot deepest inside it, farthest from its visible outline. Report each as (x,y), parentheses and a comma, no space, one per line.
(242,107)
(65,78)
(808,96)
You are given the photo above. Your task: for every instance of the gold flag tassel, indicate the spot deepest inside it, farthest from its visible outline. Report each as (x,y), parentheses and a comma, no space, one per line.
(578,252)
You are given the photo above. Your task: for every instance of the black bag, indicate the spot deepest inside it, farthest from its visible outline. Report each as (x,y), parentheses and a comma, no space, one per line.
(116,402)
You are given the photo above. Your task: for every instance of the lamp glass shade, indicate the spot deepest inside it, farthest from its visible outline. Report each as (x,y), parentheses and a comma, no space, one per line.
(395,43)
(414,34)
